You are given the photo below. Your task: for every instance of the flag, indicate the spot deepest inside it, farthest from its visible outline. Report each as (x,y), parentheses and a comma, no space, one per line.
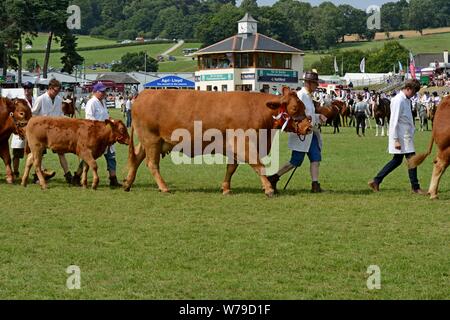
(336,68)
(412,65)
(400,67)
(362,65)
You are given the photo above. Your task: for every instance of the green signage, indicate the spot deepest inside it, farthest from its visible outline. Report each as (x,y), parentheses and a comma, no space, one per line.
(277,73)
(217,77)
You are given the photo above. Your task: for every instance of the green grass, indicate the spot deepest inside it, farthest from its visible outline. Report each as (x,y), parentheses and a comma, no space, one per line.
(426,44)
(197,244)
(40,42)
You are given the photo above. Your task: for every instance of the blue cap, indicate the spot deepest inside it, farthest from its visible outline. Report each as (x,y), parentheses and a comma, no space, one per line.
(99,87)
(27,85)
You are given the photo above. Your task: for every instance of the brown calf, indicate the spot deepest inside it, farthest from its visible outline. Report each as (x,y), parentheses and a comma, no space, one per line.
(86,138)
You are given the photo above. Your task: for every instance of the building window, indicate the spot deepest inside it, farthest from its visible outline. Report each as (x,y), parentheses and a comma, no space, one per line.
(287,61)
(217,61)
(244,60)
(243,87)
(224,88)
(208,88)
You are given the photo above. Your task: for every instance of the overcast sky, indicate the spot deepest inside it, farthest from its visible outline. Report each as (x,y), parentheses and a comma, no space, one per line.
(362,4)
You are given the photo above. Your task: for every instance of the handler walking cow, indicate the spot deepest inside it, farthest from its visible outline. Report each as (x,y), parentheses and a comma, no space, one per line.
(401,137)
(50,104)
(96,110)
(158,113)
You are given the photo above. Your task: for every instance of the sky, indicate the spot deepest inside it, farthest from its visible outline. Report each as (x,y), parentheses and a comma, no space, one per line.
(361,4)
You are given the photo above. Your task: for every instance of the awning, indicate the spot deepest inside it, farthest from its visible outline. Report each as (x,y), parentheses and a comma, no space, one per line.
(170,82)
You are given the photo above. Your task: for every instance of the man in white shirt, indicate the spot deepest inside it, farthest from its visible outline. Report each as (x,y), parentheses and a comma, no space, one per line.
(311,144)
(401,137)
(50,104)
(128,105)
(96,110)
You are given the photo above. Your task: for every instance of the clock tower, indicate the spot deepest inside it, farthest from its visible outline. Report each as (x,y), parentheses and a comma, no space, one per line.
(247,25)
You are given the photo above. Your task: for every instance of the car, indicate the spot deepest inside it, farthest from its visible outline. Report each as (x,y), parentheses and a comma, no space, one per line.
(126,41)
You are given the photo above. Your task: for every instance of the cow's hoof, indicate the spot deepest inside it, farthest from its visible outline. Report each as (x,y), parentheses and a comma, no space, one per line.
(270,193)
(165,191)
(94,187)
(10,180)
(126,188)
(434,197)
(226,192)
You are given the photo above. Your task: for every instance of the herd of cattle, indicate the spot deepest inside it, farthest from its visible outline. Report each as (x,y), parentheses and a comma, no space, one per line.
(156,114)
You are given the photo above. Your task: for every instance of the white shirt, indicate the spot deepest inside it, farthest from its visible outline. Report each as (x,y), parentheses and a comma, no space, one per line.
(401,125)
(128,105)
(294,142)
(44,106)
(96,110)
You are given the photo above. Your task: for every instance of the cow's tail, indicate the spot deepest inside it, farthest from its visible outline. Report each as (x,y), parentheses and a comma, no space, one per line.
(417,160)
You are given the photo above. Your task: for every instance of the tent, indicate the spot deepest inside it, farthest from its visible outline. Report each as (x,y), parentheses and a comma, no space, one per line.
(170,82)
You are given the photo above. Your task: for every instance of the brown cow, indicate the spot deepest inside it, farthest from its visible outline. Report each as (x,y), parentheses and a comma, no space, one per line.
(14,116)
(68,107)
(331,112)
(440,136)
(86,138)
(157,113)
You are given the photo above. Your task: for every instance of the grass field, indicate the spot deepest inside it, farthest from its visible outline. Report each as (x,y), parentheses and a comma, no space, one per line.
(197,244)
(40,42)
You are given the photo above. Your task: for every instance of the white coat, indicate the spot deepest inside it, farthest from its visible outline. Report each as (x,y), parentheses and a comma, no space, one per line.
(44,106)
(294,142)
(401,125)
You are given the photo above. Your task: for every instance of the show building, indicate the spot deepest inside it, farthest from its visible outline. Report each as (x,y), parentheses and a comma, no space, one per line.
(248,61)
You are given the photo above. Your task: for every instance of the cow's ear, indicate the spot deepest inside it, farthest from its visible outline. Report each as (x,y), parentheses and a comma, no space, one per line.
(109,122)
(286,91)
(9,104)
(274,104)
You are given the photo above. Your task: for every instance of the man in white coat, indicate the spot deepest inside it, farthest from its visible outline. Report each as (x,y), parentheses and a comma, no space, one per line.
(50,104)
(401,137)
(96,110)
(311,144)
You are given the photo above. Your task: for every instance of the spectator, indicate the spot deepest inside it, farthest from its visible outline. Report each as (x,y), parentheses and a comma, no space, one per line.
(361,112)
(128,107)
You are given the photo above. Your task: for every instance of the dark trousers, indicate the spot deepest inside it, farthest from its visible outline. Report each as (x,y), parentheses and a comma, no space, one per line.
(360,121)
(394,163)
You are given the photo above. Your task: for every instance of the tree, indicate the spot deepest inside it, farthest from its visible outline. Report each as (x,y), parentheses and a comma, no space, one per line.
(70,57)
(52,17)
(419,14)
(136,61)
(32,64)
(250,6)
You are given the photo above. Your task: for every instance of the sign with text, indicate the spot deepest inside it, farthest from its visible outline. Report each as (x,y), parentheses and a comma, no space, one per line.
(247,76)
(217,77)
(280,76)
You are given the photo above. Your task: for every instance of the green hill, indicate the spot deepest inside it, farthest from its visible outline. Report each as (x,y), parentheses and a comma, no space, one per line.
(427,43)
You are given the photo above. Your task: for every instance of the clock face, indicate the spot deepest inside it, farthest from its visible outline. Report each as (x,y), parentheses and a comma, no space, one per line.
(252,28)
(242,28)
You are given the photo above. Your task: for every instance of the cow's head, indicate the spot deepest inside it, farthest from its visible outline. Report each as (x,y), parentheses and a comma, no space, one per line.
(119,131)
(290,104)
(20,113)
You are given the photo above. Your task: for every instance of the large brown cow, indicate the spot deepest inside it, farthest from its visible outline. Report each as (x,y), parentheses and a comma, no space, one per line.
(440,136)
(86,138)
(157,113)
(14,116)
